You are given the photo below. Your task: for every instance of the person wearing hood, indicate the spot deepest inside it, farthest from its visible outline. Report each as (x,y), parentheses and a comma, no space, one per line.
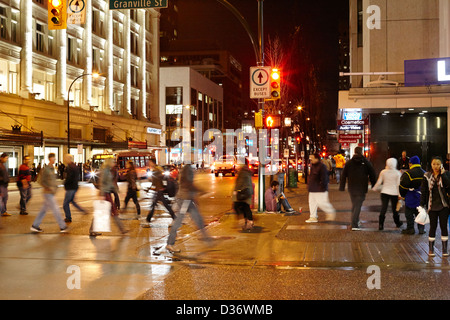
(409,189)
(242,196)
(358,171)
(388,182)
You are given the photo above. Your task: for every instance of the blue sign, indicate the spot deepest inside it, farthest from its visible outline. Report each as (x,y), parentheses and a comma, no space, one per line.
(427,72)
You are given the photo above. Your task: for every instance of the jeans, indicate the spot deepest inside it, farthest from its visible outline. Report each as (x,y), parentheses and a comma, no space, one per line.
(159,196)
(49,203)
(3,198)
(25,196)
(283,202)
(132,194)
(186,206)
(410,215)
(357,201)
(338,174)
(70,198)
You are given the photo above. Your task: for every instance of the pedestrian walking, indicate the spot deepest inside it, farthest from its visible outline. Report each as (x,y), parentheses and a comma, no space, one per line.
(410,184)
(71,187)
(115,174)
(186,199)
(340,163)
(24,184)
(106,186)
(318,190)
(389,182)
(435,189)
(4,181)
(358,171)
(158,188)
(132,187)
(274,201)
(50,186)
(242,196)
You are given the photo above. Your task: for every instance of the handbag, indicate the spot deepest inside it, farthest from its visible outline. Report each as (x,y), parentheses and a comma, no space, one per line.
(243,194)
(102,216)
(422,218)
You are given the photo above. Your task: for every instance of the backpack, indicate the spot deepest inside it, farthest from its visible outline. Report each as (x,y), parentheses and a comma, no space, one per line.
(171,188)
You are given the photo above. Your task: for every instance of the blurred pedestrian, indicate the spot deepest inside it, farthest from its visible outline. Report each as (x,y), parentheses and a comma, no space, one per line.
(24,184)
(106,187)
(389,182)
(435,189)
(274,201)
(358,171)
(50,186)
(71,187)
(115,174)
(4,180)
(340,163)
(410,184)
(186,199)
(132,187)
(403,162)
(158,188)
(242,196)
(318,190)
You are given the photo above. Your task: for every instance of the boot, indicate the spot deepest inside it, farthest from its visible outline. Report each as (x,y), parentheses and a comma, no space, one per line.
(445,247)
(397,221)
(431,245)
(381,222)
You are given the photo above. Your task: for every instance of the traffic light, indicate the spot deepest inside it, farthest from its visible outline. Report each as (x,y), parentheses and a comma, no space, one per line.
(275,84)
(272,122)
(57,14)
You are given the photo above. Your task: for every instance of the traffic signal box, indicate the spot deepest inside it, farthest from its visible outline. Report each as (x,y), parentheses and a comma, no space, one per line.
(275,85)
(272,122)
(57,14)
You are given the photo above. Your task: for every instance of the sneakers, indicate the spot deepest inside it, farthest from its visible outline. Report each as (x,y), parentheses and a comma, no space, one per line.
(36,229)
(6,214)
(172,249)
(312,220)
(64,230)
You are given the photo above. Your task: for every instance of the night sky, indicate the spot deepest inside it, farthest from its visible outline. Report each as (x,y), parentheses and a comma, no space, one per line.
(318,22)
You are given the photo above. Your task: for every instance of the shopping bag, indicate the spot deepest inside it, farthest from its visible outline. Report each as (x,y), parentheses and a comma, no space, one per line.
(102,216)
(422,218)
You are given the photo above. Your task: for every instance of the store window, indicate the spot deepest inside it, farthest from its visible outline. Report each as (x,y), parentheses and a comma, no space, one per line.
(15,155)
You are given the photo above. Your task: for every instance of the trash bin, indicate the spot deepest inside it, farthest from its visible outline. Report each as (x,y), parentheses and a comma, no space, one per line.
(293,174)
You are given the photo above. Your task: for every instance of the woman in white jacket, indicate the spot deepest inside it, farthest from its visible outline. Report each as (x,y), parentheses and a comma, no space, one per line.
(388,182)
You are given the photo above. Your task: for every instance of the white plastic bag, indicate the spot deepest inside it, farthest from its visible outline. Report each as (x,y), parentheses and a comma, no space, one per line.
(102,216)
(422,218)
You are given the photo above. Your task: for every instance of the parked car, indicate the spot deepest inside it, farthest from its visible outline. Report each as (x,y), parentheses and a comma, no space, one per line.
(225,164)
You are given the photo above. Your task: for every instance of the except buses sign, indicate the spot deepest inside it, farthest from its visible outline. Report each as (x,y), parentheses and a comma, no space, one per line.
(137,4)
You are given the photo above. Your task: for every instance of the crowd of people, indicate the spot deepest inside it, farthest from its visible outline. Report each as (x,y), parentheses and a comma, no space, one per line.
(402,182)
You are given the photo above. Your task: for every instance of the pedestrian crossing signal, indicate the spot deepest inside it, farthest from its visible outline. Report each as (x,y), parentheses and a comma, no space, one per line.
(57,14)
(275,85)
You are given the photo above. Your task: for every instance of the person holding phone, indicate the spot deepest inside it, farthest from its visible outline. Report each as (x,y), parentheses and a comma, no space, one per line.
(435,188)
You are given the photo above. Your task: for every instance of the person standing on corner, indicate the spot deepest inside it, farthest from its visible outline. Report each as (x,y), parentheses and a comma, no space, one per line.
(435,188)
(24,184)
(71,186)
(388,182)
(318,190)
(359,171)
(340,163)
(410,184)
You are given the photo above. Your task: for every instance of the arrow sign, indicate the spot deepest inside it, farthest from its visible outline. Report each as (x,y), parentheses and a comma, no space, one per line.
(259,82)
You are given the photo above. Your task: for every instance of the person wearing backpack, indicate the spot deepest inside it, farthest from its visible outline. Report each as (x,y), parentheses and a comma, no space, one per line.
(158,187)
(132,187)
(409,188)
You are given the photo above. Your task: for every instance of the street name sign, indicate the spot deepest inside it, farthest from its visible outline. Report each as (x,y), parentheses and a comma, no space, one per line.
(137,4)
(260,82)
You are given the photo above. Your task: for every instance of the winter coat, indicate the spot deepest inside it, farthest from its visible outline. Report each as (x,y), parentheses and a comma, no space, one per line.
(318,178)
(106,181)
(443,190)
(244,181)
(410,184)
(72,177)
(340,161)
(389,179)
(359,171)
(187,191)
(131,179)
(48,179)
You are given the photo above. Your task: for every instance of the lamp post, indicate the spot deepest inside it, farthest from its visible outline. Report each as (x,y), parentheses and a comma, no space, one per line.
(95,75)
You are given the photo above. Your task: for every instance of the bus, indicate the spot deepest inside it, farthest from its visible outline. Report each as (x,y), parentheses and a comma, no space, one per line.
(140,159)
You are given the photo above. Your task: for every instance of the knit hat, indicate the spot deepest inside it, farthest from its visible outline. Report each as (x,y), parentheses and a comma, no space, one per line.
(414,160)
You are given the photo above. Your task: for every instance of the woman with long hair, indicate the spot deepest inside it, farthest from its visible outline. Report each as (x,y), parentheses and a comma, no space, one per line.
(435,187)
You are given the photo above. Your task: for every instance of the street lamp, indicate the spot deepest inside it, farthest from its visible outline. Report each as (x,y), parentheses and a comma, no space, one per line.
(94,75)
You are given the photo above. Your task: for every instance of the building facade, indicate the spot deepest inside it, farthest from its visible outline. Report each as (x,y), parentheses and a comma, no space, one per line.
(385,35)
(38,66)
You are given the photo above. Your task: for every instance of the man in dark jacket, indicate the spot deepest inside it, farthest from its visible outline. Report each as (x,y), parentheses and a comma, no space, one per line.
(4,180)
(318,190)
(410,183)
(71,186)
(358,171)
